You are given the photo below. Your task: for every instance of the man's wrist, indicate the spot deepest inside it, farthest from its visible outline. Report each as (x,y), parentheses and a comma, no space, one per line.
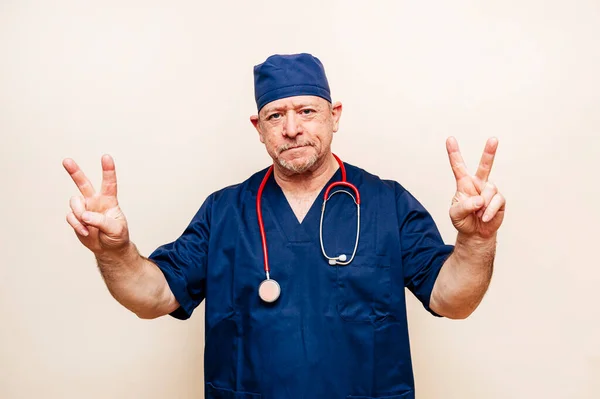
(470,247)
(475,240)
(124,254)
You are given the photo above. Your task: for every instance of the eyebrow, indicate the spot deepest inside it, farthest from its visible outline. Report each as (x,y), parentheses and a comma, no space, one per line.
(294,106)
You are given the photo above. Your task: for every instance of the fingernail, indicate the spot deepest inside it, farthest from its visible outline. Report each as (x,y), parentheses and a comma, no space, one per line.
(486,218)
(479,201)
(84,232)
(86,217)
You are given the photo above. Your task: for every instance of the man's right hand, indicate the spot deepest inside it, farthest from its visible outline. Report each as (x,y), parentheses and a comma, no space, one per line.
(96,216)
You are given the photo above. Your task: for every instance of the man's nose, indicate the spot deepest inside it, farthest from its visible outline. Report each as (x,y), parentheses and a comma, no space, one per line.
(292,126)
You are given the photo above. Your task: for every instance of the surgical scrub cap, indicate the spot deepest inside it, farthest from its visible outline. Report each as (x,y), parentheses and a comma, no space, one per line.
(282,76)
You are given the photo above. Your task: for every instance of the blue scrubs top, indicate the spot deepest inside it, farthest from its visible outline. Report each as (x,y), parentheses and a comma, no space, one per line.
(335,331)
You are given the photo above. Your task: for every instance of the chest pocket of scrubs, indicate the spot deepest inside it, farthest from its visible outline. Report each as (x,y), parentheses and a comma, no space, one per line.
(212,392)
(364,289)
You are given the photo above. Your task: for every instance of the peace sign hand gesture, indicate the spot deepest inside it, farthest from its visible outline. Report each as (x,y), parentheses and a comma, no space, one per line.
(477,207)
(96,218)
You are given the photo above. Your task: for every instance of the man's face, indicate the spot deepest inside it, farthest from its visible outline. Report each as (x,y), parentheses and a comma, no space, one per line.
(297,131)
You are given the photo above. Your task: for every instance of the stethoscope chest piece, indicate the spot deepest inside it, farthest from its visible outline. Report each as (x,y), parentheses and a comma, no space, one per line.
(269,290)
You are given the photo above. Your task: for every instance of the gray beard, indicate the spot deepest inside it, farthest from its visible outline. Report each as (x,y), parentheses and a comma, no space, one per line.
(295,168)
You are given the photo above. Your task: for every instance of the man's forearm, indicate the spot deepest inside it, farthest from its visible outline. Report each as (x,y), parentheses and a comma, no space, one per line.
(464,277)
(136,283)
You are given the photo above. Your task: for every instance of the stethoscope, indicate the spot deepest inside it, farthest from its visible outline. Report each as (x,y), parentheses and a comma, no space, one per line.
(269,290)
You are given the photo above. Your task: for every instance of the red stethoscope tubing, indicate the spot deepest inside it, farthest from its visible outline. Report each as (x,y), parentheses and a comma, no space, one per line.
(261,225)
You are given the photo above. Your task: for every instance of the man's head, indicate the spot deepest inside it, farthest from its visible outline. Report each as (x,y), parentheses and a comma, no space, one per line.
(296,119)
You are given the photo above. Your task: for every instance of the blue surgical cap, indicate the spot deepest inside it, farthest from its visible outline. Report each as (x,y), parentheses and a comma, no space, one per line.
(282,76)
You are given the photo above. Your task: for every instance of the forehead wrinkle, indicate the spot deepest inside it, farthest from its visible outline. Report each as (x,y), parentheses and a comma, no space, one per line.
(295,104)
(306,102)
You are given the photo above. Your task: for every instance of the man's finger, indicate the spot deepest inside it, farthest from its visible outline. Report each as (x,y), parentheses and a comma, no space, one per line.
(489,190)
(107,225)
(77,204)
(109,176)
(456,160)
(464,208)
(487,159)
(497,204)
(80,179)
(76,225)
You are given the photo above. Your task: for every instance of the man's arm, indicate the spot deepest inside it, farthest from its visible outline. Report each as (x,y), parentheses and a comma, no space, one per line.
(136,283)
(464,277)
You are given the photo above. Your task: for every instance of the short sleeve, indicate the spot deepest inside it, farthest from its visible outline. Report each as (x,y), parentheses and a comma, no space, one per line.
(184,262)
(423,250)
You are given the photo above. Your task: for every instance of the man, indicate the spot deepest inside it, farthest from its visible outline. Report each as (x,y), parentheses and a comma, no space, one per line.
(329,318)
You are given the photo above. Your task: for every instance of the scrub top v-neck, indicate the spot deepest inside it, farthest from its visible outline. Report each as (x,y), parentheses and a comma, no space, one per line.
(280,211)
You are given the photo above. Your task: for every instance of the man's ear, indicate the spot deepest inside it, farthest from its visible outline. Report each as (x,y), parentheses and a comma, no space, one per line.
(336,113)
(256,124)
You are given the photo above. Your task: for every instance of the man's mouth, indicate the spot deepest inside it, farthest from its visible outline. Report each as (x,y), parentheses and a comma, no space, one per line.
(294,148)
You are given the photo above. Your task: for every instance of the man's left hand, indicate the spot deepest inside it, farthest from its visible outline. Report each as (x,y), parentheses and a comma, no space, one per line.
(477,207)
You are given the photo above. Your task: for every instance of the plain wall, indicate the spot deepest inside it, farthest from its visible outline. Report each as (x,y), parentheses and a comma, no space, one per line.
(166,88)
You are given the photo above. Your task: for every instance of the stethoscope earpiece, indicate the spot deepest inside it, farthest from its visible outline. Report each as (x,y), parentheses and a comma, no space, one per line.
(335,261)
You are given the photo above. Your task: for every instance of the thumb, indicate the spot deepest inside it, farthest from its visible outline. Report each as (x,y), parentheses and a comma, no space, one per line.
(107,225)
(462,209)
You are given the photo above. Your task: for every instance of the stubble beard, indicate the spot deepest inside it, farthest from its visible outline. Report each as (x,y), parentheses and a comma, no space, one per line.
(298,168)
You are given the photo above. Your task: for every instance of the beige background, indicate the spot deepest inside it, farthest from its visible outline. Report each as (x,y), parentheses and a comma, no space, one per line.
(167,90)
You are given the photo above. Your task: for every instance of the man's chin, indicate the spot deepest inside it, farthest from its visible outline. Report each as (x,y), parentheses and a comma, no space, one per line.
(298,165)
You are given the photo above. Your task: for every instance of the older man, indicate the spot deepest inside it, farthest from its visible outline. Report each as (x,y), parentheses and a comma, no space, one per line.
(303,299)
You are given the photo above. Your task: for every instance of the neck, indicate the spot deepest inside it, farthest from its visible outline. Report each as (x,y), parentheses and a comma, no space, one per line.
(309,181)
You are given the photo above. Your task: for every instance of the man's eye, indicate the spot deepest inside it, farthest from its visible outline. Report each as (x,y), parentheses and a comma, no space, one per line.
(276,115)
(308,111)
